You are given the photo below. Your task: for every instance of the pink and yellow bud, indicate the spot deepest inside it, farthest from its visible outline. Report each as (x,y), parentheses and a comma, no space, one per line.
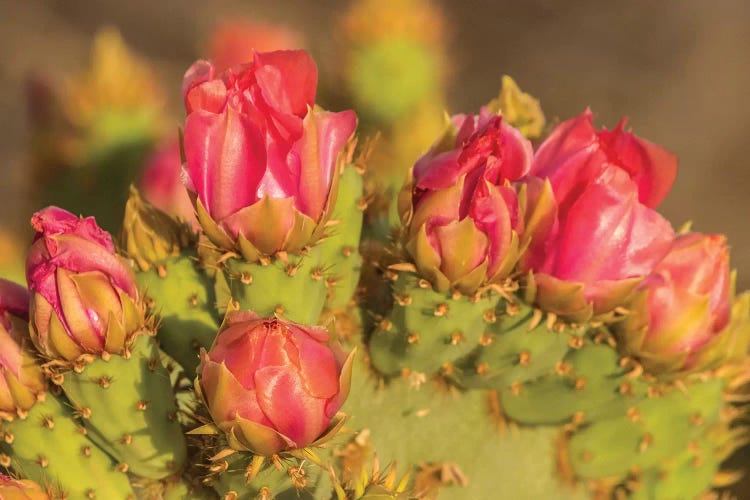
(261,158)
(84,296)
(461,212)
(20,489)
(682,306)
(272,385)
(21,380)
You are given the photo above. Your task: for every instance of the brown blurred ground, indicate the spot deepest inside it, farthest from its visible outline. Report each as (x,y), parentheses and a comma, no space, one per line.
(680,70)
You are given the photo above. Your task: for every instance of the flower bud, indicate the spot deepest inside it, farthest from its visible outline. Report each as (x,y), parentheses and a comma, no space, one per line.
(682,305)
(461,211)
(20,489)
(21,378)
(260,157)
(149,236)
(84,296)
(272,385)
(576,152)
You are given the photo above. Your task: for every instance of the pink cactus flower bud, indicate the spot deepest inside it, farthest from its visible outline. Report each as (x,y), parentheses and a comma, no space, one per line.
(272,385)
(575,152)
(588,252)
(20,489)
(462,212)
(260,157)
(21,378)
(161,183)
(683,304)
(84,296)
(235,41)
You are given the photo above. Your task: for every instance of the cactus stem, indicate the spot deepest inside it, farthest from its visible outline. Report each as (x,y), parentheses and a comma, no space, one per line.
(86,451)
(457,338)
(486,339)
(141,405)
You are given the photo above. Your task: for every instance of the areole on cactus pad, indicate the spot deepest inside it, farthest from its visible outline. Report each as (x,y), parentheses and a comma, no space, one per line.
(530,327)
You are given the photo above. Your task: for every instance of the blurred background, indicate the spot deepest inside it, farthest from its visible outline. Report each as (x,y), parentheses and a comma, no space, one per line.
(679,70)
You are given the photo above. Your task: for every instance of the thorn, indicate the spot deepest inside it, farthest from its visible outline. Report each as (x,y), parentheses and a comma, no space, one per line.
(85,413)
(486,339)
(626,388)
(104,382)
(385,325)
(524,358)
(424,284)
(122,467)
(447,368)
(646,441)
(482,368)
(551,320)
(512,309)
(441,310)
(126,439)
(696,419)
(578,418)
(106,356)
(347,251)
(8,437)
(279,309)
(456,295)
(42,461)
(161,271)
(580,384)
(575,342)
(141,405)
(457,338)
(58,378)
(413,338)
(515,388)
(91,494)
(317,275)
(562,368)
(403,300)
(4,460)
(219,467)
(489,316)
(193,300)
(536,318)
(634,414)
(48,423)
(86,451)
(291,270)
(654,392)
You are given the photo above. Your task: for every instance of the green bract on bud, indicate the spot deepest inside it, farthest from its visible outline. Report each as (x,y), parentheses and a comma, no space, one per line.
(21,378)
(150,236)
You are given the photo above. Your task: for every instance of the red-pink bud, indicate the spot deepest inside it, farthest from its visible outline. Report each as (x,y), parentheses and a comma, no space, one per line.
(576,152)
(260,158)
(21,379)
(683,304)
(463,213)
(272,385)
(84,296)
(589,253)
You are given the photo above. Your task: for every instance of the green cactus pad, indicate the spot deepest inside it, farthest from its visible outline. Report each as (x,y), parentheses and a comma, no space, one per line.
(516,348)
(131,410)
(647,433)
(413,425)
(341,249)
(294,289)
(183,299)
(428,331)
(51,448)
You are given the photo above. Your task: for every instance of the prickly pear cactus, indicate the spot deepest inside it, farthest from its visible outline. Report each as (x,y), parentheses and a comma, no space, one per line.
(518,322)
